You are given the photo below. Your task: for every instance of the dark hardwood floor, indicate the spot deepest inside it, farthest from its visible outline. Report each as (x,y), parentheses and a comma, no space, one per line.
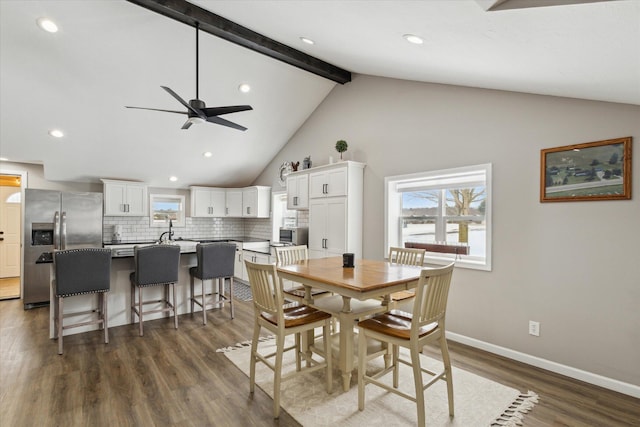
(176,377)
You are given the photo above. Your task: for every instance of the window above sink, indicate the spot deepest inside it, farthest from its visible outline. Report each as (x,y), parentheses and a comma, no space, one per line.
(165,207)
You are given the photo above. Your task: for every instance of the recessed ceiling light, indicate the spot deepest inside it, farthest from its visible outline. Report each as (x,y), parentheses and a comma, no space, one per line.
(3,159)
(173,178)
(411,38)
(48,25)
(56,133)
(244,87)
(207,154)
(307,41)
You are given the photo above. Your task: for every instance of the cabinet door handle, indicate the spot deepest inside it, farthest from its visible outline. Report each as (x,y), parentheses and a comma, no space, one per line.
(126,207)
(248,210)
(295,200)
(226,211)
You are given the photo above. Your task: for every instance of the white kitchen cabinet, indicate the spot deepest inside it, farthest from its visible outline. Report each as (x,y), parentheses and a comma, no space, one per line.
(335,222)
(298,191)
(208,202)
(256,257)
(125,198)
(234,202)
(330,181)
(238,266)
(256,202)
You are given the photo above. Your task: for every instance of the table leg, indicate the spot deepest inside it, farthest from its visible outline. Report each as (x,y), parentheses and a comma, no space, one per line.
(308,338)
(346,342)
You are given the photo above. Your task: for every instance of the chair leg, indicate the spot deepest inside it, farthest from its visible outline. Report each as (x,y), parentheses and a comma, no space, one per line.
(447,369)
(277,376)
(254,357)
(327,354)
(105,317)
(140,309)
(175,305)
(299,353)
(417,379)
(192,288)
(362,366)
(133,303)
(204,301)
(231,296)
(60,316)
(395,350)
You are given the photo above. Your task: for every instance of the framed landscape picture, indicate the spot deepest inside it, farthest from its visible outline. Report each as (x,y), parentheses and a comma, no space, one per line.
(598,170)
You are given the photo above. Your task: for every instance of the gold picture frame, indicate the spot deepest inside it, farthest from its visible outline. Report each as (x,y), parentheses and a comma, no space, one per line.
(599,170)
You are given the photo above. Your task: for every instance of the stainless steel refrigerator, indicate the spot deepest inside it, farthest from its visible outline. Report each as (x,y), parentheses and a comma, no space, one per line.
(55,220)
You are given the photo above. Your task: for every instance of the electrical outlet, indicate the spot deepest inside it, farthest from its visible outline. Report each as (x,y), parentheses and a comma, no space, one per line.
(534,328)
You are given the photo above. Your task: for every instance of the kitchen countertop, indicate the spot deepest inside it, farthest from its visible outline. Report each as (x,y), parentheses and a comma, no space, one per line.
(125,249)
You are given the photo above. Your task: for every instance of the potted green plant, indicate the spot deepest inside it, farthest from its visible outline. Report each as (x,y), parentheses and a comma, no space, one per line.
(341,147)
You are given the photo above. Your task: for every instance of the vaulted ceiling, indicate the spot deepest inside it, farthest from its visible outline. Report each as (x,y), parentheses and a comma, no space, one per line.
(108,54)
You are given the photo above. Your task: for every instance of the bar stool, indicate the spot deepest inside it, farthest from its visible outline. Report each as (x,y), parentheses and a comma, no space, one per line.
(216,262)
(80,272)
(155,265)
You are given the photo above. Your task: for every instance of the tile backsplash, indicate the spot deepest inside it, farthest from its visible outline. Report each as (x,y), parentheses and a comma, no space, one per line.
(137,229)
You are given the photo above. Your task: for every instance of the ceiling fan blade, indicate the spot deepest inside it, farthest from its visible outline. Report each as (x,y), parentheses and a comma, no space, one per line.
(217,111)
(187,124)
(186,104)
(219,121)
(157,109)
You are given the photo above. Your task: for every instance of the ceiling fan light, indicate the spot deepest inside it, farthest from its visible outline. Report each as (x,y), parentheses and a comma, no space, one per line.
(196,120)
(307,40)
(56,133)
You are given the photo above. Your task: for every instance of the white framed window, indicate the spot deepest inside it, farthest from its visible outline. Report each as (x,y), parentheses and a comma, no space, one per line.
(165,207)
(447,212)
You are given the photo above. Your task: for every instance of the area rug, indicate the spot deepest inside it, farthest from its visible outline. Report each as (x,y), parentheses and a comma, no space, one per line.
(241,291)
(478,401)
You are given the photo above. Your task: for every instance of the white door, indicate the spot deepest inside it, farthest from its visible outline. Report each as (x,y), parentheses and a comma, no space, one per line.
(336,234)
(10,208)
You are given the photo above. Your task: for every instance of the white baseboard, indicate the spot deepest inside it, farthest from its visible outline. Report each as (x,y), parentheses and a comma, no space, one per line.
(589,377)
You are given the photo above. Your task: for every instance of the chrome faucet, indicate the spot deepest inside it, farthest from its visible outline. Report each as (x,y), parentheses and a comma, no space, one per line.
(170,233)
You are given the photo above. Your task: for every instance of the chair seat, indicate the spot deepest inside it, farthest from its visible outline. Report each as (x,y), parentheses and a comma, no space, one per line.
(397,324)
(297,315)
(402,295)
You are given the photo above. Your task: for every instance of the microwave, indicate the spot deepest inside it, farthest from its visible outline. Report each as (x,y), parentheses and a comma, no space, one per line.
(294,235)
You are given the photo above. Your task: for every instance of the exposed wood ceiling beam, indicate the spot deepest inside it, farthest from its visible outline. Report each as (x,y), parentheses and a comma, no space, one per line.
(211,23)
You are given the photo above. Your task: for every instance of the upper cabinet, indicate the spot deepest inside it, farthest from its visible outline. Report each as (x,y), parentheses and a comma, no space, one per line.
(125,198)
(249,202)
(234,202)
(298,191)
(329,181)
(256,202)
(208,202)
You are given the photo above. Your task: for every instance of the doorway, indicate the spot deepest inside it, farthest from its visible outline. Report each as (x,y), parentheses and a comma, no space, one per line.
(10,235)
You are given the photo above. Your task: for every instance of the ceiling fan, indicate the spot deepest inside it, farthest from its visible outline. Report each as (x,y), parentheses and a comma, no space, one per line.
(197,111)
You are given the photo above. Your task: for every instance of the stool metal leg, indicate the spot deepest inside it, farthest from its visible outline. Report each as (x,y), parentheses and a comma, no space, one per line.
(175,306)
(59,312)
(105,316)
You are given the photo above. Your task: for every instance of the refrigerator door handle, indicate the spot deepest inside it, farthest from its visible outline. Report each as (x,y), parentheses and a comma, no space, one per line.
(63,231)
(56,230)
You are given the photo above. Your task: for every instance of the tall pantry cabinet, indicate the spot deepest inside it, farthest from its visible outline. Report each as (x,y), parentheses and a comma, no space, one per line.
(335,209)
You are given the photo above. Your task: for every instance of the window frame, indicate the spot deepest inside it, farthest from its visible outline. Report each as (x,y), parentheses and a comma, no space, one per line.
(393,207)
(179,222)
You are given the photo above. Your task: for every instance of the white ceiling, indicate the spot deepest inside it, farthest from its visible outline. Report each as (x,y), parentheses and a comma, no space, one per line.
(109,54)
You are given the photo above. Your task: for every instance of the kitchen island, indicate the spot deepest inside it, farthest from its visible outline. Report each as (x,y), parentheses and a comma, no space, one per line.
(119,297)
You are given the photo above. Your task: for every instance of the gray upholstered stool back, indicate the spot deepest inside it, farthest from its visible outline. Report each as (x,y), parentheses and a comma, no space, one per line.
(82,271)
(156,265)
(215,260)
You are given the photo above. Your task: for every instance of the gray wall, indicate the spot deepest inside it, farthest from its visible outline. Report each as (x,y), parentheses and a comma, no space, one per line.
(574,267)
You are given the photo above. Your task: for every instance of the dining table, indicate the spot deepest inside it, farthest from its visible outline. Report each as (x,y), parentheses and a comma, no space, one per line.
(359,291)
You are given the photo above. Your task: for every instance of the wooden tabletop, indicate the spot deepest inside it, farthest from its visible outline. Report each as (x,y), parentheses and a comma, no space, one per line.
(367,275)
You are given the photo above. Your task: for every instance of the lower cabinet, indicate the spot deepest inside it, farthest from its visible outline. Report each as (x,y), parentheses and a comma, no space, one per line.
(256,257)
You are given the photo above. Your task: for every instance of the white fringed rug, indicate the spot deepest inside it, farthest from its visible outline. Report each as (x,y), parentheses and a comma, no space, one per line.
(478,401)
